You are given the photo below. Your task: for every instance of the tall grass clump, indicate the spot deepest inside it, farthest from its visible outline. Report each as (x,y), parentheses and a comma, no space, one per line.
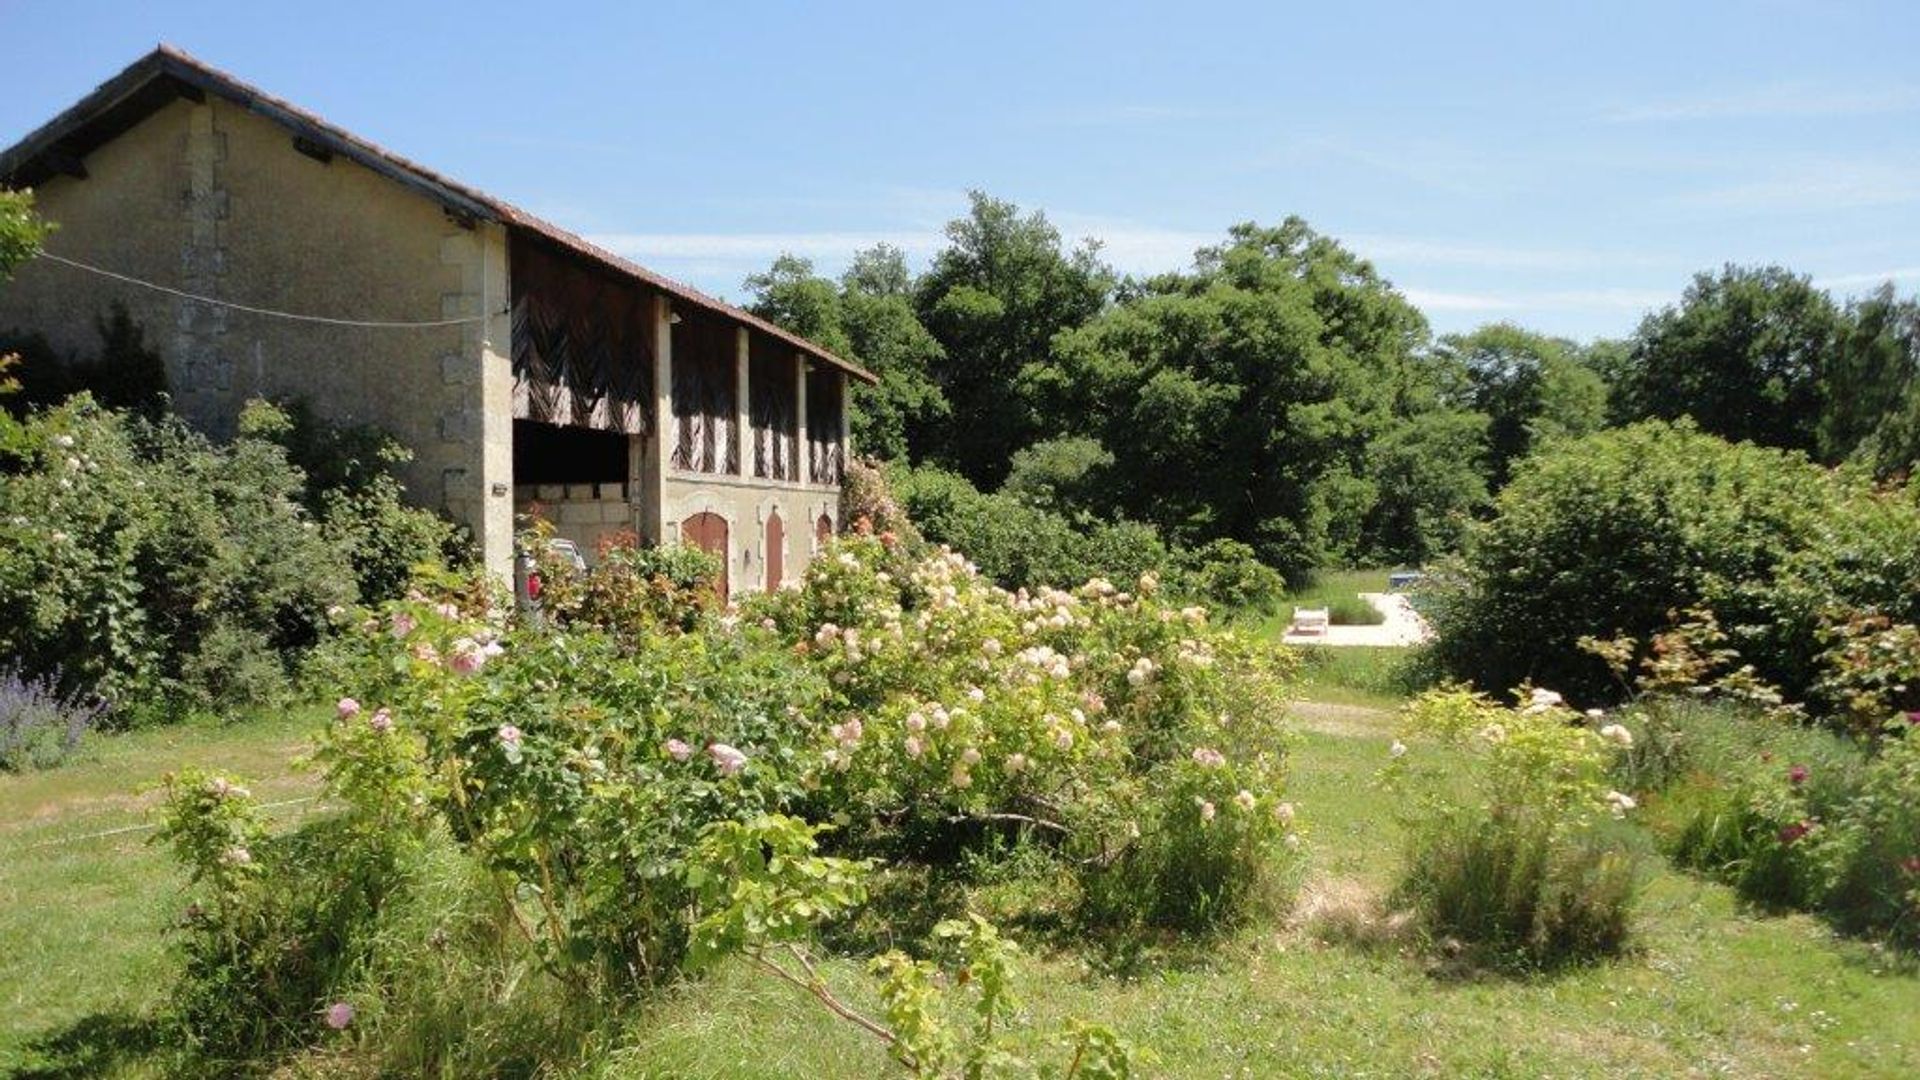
(1510,852)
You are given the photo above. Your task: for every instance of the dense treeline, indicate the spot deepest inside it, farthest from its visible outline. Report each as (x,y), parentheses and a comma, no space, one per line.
(1281,393)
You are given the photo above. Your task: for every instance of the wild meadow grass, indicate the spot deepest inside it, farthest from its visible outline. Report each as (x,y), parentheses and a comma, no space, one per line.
(1708,986)
(82,958)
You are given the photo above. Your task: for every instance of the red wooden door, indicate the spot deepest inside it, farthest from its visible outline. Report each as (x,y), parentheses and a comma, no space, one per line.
(708,531)
(823,529)
(776,550)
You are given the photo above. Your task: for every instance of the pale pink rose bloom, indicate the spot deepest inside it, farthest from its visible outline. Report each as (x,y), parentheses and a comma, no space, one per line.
(509,735)
(1016,762)
(381,721)
(1063,739)
(339,1015)
(678,750)
(913,746)
(467,657)
(1206,811)
(1244,800)
(727,759)
(970,756)
(403,624)
(347,708)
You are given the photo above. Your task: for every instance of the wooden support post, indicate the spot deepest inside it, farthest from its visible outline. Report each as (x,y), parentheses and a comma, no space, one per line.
(742,426)
(650,493)
(846,422)
(805,457)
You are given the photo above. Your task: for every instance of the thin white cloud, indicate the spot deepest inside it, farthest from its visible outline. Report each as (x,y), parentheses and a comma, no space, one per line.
(1778,101)
(1134,248)
(1432,300)
(1415,251)
(1558,300)
(759,248)
(1854,281)
(1824,187)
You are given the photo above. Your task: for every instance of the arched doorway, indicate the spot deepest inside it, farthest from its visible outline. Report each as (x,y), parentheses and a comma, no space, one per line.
(708,531)
(823,530)
(776,556)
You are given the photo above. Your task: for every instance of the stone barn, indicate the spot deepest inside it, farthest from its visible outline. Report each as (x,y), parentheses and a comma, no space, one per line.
(268,253)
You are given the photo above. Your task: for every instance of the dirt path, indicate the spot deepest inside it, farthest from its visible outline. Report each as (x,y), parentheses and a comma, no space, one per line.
(1327,718)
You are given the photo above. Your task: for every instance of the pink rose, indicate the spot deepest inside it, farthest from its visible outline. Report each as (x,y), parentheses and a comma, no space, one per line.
(727,759)
(468,657)
(339,1015)
(347,708)
(381,721)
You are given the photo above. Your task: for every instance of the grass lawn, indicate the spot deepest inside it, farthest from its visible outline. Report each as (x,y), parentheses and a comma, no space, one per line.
(1713,989)
(80,912)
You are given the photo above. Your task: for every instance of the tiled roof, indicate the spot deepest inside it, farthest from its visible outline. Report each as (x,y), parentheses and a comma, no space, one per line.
(167,73)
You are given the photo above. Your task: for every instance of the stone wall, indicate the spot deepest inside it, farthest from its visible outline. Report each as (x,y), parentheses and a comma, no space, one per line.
(746,505)
(586,514)
(212,199)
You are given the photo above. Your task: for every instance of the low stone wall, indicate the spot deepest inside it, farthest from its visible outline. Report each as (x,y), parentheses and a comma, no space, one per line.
(583,513)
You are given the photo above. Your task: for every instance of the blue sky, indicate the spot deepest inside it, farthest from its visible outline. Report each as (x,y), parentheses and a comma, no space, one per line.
(1564,166)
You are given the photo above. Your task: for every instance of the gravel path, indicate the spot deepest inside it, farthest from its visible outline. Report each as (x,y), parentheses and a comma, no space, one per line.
(1403,626)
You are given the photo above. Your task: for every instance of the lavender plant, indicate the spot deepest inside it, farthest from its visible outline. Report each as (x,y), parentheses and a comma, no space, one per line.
(40,724)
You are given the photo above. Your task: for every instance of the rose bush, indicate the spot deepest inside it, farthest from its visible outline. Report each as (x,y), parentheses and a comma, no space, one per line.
(582,761)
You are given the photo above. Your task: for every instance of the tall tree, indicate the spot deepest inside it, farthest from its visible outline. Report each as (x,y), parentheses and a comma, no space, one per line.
(1874,372)
(1530,387)
(868,317)
(1744,354)
(1244,399)
(994,298)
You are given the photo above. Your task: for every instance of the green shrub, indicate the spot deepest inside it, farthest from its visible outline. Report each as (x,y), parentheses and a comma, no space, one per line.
(1013,543)
(353,490)
(1018,541)
(1228,576)
(1508,848)
(155,567)
(1609,534)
